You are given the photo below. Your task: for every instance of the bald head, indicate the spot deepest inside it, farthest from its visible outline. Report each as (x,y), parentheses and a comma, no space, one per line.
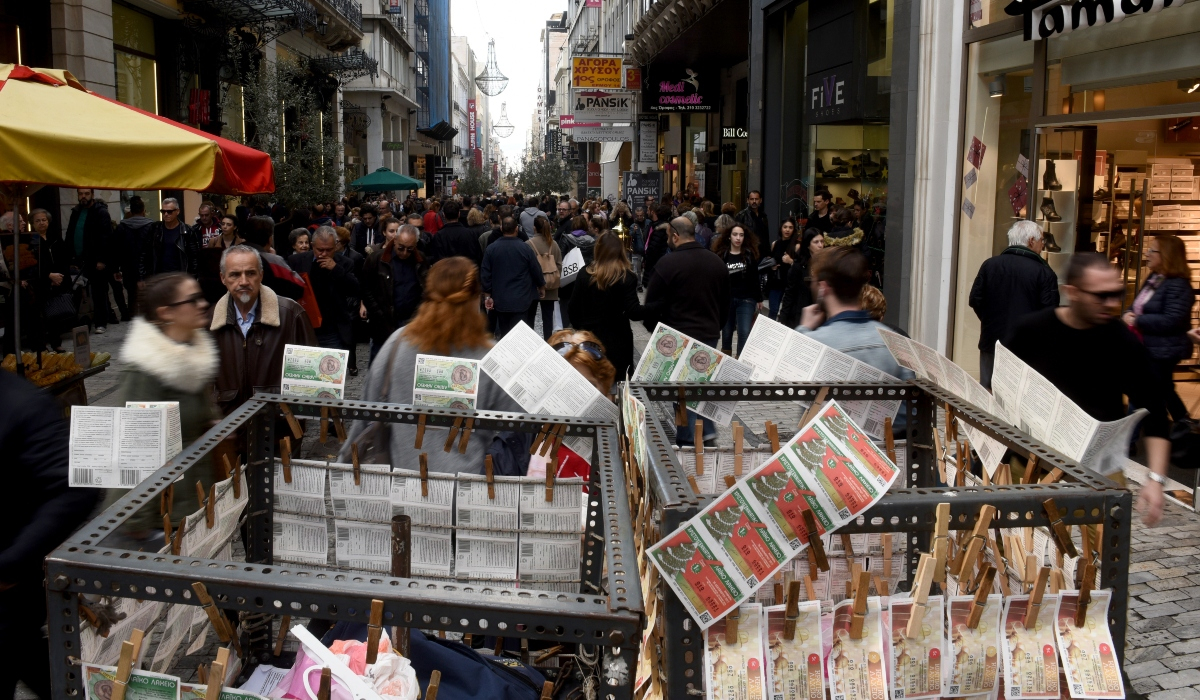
(684,228)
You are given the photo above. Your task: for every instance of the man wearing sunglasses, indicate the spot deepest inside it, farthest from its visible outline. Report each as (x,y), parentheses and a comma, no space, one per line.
(393,280)
(173,246)
(1091,356)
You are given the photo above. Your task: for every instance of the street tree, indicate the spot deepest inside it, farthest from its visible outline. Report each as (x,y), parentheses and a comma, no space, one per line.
(549,176)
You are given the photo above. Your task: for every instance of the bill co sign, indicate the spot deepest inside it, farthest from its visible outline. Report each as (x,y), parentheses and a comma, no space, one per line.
(1044,19)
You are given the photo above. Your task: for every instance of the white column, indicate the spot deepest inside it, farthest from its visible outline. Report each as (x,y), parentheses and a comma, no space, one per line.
(934,208)
(373,149)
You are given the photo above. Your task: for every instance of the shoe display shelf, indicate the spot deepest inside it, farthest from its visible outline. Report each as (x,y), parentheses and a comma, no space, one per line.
(842,169)
(1056,210)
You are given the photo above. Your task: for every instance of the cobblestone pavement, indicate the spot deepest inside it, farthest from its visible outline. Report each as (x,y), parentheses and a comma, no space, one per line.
(1163,644)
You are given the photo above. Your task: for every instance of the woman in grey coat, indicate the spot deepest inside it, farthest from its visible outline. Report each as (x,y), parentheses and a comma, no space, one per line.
(448,323)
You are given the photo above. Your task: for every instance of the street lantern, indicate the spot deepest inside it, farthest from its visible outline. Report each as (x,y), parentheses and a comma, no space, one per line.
(504,127)
(491,81)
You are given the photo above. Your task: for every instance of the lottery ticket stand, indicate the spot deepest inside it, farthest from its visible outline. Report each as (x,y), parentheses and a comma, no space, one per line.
(907,509)
(603,616)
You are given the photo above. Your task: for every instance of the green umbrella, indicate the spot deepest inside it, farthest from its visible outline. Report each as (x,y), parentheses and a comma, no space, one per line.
(384,180)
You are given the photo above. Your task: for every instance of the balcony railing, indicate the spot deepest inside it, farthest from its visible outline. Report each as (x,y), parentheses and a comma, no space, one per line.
(349,9)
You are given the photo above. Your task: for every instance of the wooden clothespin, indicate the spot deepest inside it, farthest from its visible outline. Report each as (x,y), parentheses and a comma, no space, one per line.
(792,613)
(324,434)
(1062,536)
(166,500)
(285,456)
(998,555)
(539,438)
(885,540)
(202,674)
(731,626)
(284,625)
(738,435)
(847,545)
(458,423)
(325,686)
(499,649)
(420,431)
(491,479)
(881,586)
(466,436)
(547,690)
(547,654)
(177,540)
(816,548)
(1054,475)
(559,434)
(1085,593)
(960,476)
(237,478)
(210,507)
(981,595)
(920,594)
(813,409)
(692,482)
(218,621)
(810,592)
(951,427)
(297,431)
(1034,606)
(1030,469)
(964,566)
(681,410)
(435,680)
(773,435)
(939,456)
(200,495)
(167,529)
(889,439)
(129,653)
(778,592)
(698,450)
(423,460)
(859,616)
(941,542)
(374,629)
(1057,583)
(354,461)
(216,675)
(339,428)
(729,481)
(551,474)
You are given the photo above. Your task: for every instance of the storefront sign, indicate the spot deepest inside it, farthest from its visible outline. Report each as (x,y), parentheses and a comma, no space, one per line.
(648,141)
(734,132)
(1044,19)
(638,186)
(479,158)
(396,7)
(600,106)
(589,72)
(601,134)
(681,90)
(593,174)
(832,96)
(471,142)
(591,3)
(393,145)
(567,121)
(633,78)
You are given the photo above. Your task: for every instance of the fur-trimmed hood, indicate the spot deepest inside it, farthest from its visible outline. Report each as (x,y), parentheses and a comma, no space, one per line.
(183,366)
(268,310)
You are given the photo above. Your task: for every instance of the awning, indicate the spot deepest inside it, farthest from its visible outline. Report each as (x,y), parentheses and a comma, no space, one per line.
(610,151)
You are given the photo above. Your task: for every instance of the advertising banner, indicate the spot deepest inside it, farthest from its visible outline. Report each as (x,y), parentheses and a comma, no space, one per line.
(600,106)
(593,72)
(638,186)
(601,134)
(648,141)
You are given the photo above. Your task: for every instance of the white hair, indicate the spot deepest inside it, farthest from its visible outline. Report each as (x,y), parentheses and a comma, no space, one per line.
(325,232)
(1020,232)
(240,249)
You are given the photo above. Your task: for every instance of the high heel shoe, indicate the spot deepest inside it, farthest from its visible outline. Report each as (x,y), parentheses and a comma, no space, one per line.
(1051,244)
(1050,178)
(1048,210)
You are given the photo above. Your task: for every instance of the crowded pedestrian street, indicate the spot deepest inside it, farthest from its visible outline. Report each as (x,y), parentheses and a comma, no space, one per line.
(600,349)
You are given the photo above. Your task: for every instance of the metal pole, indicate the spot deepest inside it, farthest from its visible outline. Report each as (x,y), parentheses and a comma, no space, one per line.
(16,275)
(401,568)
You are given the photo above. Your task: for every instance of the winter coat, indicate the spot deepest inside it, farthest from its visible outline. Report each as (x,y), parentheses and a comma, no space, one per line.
(584,241)
(757,222)
(511,275)
(331,288)
(1009,286)
(656,248)
(455,239)
(189,251)
(256,360)
(362,237)
(797,293)
(378,293)
(689,291)
(527,217)
(129,240)
(607,313)
(1166,318)
(97,230)
(160,369)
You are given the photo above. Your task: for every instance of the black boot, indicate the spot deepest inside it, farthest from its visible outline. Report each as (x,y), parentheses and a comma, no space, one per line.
(1050,178)
(1048,210)
(1051,245)
(820,167)
(838,161)
(1102,195)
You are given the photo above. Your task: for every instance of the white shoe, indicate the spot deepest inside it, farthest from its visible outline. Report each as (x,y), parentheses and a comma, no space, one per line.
(101,330)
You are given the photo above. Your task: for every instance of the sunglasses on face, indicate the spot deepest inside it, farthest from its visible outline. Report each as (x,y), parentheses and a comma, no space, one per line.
(168,211)
(194,299)
(1106,297)
(587,346)
(405,248)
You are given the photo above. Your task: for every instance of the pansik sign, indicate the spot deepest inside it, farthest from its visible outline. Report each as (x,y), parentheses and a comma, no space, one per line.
(589,72)
(680,90)
(638,186)
(601,134)
(1044,19)
(599,106)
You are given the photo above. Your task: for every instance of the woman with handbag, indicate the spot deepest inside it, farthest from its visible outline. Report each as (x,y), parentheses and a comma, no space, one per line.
(549,257)
(54,284)
(448,323)
(605,300)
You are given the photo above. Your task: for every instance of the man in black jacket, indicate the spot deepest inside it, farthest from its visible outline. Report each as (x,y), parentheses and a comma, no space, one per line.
(454,238)
(1009,286)
(34,440)
(173,246)
(393,279)
(511,278)
(689,291)
(88,236)
(129,240)
(753,218)
(332,278)
(366,235)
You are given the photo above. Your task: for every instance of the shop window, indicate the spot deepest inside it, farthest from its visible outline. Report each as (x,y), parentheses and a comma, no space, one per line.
(134,58)
(994,192)
(985,12)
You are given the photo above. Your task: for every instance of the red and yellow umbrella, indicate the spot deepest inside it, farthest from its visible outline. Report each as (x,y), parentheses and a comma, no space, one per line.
(54,131)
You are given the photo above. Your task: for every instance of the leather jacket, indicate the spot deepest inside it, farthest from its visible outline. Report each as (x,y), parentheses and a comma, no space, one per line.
(255,361)
(378,292)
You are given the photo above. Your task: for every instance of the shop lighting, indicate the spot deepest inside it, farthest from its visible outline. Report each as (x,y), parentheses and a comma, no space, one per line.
(1189,86)
(996,87)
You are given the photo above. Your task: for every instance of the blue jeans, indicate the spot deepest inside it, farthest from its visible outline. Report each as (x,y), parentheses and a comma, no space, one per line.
(742,312)
(773,302)
(684,433)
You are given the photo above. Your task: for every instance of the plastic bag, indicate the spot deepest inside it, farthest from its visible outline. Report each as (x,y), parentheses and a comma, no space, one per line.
(392,676)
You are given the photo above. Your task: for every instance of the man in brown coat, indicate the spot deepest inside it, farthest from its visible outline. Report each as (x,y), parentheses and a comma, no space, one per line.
(251,325)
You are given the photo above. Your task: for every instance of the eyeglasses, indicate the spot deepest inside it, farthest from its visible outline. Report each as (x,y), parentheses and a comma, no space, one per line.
(194,299)
(1106,297)
(405,248)
(168,211)
(592,349)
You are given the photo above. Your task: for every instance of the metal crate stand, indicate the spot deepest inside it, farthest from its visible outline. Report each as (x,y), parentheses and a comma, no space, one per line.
(1082,496)
(608,615)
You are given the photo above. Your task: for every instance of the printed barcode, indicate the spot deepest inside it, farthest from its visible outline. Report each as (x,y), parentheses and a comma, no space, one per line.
(1076,689)
(277,529)
(464,517)
(517,392)
(129,477)
(343,533)
(705,617)
(898,694)
(874,427)
(954,690)
(528,489)
(464,546)
(339,504)
(527,549)
(528,519)
(1014,691)
(490,366)
(84,476)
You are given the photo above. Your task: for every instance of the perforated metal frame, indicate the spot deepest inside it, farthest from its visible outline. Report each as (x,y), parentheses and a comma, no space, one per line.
(610,620)
(1081,495)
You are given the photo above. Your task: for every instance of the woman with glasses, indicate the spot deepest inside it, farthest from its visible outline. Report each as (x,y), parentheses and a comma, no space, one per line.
(605,300)
(169,356)
(1162,314)
(585,353)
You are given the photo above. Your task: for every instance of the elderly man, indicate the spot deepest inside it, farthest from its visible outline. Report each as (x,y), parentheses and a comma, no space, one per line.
(250,325)
(1010,286)
(393,279)
(331,276)
(207,225)
(173,246)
